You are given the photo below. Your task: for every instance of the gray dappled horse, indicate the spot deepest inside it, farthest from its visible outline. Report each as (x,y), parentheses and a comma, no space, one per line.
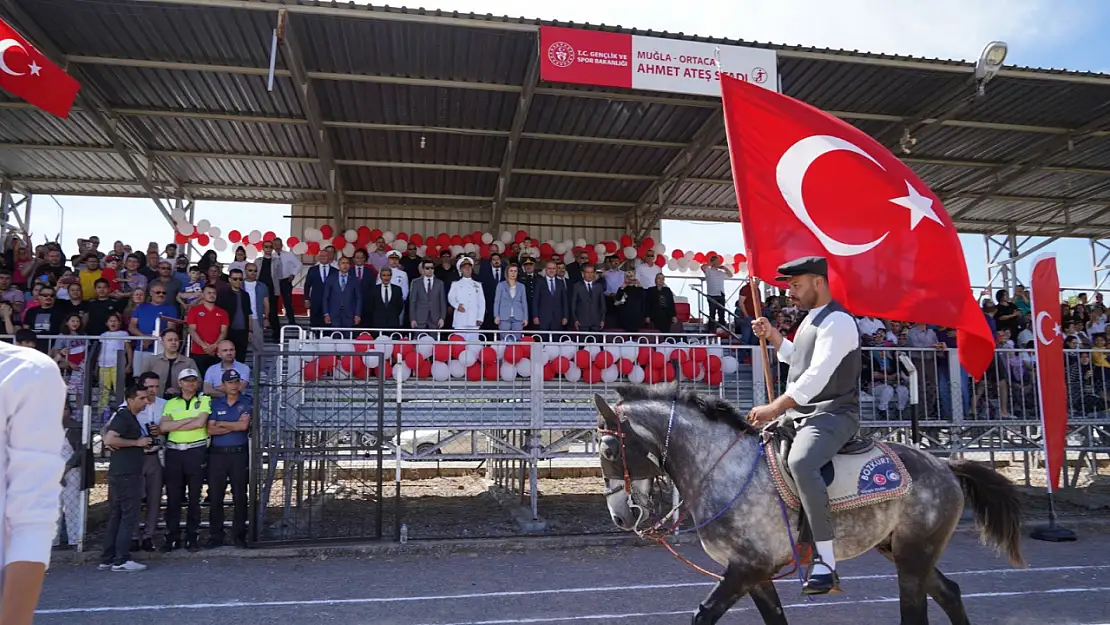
(657,429)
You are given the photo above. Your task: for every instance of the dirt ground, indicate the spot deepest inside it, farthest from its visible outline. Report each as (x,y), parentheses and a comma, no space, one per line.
(465,507)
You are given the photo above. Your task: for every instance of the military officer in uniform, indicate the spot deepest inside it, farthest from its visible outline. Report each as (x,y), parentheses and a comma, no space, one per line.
(821,400)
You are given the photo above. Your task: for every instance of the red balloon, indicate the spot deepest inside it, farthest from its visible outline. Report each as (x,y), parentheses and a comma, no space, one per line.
(313,248)
(291,241)
(690,369)
(625,366)
(402,237)
(491,372)
(677,254)
(660,261)
(387,370)
(546,250)
(626,240)
(180,239)
(416,240)
(339,242)
(269,236)
(643,356)
(483,250)
(668,374)
(561,364)
(442,352)
(234,236)
(403,349)
(548,372)
(203,240)
(582,359)
(258,246)
(444,239)
(457,350)
(412,359)
(739,258)
(658,360)
(700,355)
(592,253)
(653,375)
(431,252)
(715,378)
(603,360)
(313,369)
(648,242)
(514,353)
(699,258)
(347,363)
(487,355)
(591,375)
(520,236)
(610,247)
(474,372)
(714,364)
(327,231)
(363,342)
(424,369)
(467,240)
(375,234)
(455,239)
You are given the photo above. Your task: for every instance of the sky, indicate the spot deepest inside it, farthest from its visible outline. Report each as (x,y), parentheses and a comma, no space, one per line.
(1067,34)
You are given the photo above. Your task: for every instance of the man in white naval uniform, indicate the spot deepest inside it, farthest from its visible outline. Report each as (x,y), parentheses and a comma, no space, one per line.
(821,400)
(467,299)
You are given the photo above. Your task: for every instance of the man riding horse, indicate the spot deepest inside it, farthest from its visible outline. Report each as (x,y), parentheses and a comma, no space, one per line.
(821,400)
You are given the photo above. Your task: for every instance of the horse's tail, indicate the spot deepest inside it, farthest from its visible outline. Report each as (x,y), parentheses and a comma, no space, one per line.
(997,507)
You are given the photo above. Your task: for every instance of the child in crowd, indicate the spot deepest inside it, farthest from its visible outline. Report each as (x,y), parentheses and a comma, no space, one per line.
(112,342)
(26,337)
(191,293)
(69,352)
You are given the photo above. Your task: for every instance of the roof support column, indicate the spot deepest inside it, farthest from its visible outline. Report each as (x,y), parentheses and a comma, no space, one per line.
(1002,252)
(531,79)
(647,213)
(293,56)
(1100,272)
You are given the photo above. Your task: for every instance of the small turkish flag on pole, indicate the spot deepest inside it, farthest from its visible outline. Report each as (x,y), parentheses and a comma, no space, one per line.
(1045,305)
(27,73)
(809,184)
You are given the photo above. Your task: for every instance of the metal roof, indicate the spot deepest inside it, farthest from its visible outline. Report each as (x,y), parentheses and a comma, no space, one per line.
(426,108)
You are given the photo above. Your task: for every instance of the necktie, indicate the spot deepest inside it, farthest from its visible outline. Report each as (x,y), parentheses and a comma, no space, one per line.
(358,272)
(588,290)
(324,271)
(428,285)
(497,274)
(342,281)
(385,293)
(551,284)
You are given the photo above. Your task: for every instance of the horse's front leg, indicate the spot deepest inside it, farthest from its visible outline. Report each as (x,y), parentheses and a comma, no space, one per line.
(766,599)
(736,583)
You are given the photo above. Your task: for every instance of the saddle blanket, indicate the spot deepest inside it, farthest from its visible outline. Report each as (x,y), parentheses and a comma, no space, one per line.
(856,480)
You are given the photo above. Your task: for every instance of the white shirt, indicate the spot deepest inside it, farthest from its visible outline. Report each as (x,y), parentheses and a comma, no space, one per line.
(645,274)
(715,279)
(836,338)
(32,395)
(401,279)
(869,326)
(251,288)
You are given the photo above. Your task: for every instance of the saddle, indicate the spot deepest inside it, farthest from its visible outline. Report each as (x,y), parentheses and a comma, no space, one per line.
(863,473)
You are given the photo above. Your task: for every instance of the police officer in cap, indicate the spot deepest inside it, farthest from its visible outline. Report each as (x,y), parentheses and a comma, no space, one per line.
(228,459)
(821,400)
(184,422)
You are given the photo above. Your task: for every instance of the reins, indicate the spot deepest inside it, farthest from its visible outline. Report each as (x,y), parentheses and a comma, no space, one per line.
(661,529)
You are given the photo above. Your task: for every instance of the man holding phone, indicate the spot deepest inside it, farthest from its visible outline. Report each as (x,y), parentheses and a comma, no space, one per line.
(125,470)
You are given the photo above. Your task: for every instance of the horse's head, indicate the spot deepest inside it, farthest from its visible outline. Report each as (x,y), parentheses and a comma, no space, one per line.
(629,466)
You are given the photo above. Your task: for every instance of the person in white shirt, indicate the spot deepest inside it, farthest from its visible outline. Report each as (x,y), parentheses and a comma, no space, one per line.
(467,299)
(32,397)
(646,270)
(715,275)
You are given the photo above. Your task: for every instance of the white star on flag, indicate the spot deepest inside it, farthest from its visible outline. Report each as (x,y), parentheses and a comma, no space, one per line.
(919,205)
(35,69)
(1056,329)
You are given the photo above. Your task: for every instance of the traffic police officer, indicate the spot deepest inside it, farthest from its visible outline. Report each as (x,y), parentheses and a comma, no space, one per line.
(184,422)
(228,459)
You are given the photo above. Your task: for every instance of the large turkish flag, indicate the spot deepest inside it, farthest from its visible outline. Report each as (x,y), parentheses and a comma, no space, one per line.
(1051,386)
(809,184)
(26,73)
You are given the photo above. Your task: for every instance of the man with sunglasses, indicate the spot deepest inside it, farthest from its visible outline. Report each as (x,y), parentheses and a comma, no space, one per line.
(237,304)
(144,321)
(45,319)
(166,280)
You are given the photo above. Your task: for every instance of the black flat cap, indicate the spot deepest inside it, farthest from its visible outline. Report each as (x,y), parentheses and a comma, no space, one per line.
(815,265)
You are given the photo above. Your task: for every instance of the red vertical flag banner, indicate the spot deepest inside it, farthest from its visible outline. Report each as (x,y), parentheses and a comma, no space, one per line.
(1051,384)
(27,73)
(809,184)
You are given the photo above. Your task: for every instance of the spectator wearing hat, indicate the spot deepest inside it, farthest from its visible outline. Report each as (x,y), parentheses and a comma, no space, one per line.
(387,302)
(213,376)
(228,459)
(184,421)
(467,299)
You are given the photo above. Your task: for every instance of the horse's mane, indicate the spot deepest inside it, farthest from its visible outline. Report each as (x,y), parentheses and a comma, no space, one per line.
(713,408)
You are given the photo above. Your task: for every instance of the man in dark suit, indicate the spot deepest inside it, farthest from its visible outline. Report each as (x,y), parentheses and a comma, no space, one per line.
(342,299)
(314,282)
(366,276)
(427,300)
(549,306)
(387,302)
(574,269)
(491,273)
(587,302)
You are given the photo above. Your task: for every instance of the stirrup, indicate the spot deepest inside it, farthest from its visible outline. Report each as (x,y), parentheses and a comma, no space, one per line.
(822,583)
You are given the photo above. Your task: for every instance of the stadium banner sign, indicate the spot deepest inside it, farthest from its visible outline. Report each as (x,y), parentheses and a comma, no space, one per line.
(589,57)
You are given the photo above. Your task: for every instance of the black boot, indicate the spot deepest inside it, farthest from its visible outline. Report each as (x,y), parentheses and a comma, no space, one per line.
(170,545)
(148,545)
(191,544)
(821,579)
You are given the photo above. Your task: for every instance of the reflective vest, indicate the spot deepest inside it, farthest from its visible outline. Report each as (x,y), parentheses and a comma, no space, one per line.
(179,409)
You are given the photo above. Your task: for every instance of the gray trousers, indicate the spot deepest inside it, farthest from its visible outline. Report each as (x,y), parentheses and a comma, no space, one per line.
(152,487)
(816,441)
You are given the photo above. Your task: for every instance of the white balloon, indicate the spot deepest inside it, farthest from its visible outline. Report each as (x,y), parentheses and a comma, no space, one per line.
(729,365)
(401,372)
(456,250)
(630,350)
(371,361)
(630,252)
(524,368)
(177,214)
(508,371)
(219,245)
(610,375)
(487,238)
(185,228)
(580,242)
(203,225)
(420,251)
(593,350)
(252,253)
(573,373)
(551,351)
(389,236)
(666,350)
(743,272)
(569,244)
(637,375)
(349,250)
(255,235)
(470,248)
(568,349)
(560,248)
(499,349)
(214,232)
(350,235)
(600,249)
(440,371)
(457,369)
(301,248)
(506,237)
(613,349)
(313,235)
(659,249)
(425,347)
(384,344)
(716,350)
(672,264)
(468,358)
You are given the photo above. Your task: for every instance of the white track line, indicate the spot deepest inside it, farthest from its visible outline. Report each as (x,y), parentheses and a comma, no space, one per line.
(792,606)
(519,593)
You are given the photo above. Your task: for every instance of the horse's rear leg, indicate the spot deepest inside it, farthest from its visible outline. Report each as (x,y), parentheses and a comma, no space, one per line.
(766,600)
(736,583)
(943,590)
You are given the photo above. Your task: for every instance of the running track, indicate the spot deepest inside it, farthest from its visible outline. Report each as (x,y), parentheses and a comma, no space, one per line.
(1065,584)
